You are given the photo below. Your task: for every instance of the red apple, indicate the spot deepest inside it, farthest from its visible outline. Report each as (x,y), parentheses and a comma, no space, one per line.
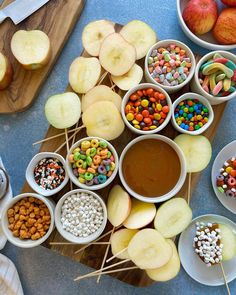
(229,2)
(225,27)
(6,72)
(200,15)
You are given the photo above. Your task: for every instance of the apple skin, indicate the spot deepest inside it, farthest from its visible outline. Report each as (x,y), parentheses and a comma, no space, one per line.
(229,2)
(8,76)
(200,15)
(225,27)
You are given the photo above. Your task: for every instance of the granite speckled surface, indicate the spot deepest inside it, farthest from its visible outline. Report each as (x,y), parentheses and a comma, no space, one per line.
(44,272)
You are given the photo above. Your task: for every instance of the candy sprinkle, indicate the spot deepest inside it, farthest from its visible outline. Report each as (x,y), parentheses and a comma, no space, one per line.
(49,173)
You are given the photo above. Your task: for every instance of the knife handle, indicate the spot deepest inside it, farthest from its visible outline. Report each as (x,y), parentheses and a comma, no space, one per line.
(3,16)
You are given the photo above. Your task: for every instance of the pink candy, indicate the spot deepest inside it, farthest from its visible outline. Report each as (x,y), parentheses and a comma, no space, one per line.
(217,88)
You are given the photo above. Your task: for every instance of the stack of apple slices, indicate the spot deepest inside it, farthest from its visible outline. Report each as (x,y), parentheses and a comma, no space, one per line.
(149,249)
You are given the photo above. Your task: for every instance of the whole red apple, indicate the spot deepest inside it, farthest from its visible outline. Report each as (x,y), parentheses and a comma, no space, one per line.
(229,2)
(225,27)
(200,15)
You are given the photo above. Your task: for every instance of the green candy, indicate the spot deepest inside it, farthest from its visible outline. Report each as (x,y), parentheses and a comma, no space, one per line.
(88,176)
(109,154)
(191,109)
(220,189)
(103,144)
(89,160)
(206,64)
(205,110)
(232,89)
(220,77)
(231,65)
(81,175)
(184,115)
(93,152)
(196,127)
(150,60)
(76,156)
(84,165)
(83,157)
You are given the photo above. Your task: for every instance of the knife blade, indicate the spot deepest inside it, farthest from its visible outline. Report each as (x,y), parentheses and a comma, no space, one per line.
(20,9)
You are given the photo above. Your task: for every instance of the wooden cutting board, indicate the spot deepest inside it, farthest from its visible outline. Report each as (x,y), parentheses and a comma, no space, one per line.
(57,19)
(93,255)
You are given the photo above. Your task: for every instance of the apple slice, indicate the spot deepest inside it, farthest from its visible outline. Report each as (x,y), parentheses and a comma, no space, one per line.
(120,240)
(6,72)
(148,249)
(116,55)
(140,35)
(84,73)
(169,270)
(63,110)
(197,150)
(118,205)
(228,239)
(102,119)
(130,79)
(31,48)
(100,93)
(94,34)
(141,214)
(173,217)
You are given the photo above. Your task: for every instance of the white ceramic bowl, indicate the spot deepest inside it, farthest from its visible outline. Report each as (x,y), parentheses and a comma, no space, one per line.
(194,266)
(226,153)
(196,86)
(69,236)
(204,101)
(29,174)
(182,176)
(75,180)
(164,43)
(207,40)
(8,233)
(126,98)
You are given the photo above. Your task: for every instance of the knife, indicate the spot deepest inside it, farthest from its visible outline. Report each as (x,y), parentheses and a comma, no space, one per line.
(20,9)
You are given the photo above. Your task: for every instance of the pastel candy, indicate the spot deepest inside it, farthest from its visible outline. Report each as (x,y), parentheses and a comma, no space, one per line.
(220,77)
(217,88)
(231,65)
(226,84)
(210,69)
(231,89)
(221,60)
(212,81)
(206,64)
(217,55)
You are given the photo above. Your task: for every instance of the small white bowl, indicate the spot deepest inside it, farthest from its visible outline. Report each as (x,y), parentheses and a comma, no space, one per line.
(26,243)
(126,98)
(204,101)
(29,174)
(196,86)
(207,40)
(194,266)
(226,153)
(69,236)
(164,43)
(75,180)
(182,176)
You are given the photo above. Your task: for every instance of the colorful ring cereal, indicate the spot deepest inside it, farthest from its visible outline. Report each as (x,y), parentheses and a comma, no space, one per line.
(169,63)
(92,163)
(146,108)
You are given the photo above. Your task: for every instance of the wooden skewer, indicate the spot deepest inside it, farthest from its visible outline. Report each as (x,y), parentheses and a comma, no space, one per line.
(111,271)
(106,253)
(224,276)
(68,148)
(102,78)
(99,238)
(62,145)
(58,135)
(189,187)
(113,86)
(100,270)
(74,244)
(117,254)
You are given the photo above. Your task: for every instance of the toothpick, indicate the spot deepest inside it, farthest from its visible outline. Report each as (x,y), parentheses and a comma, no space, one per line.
(99,238)
(100,270)
(63,144)
(117,254)
(74,244)
(111,271)
(106,253)
(189,187)
(58,135)
(102,78)
(68,148)
(224,276)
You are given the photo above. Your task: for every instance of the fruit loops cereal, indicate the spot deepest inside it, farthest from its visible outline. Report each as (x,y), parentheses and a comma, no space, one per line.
(146,109)
(92,162)
(81,214)
(29,218)
(49,173)
(169,65)
(207,243)
(226,180)
(217,76)
(191,114)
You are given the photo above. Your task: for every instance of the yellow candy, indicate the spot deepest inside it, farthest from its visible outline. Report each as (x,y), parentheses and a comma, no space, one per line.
(81,180)
(113,166)
(199,117)
(228,169)
(136,126)
(85,144)
(76,150)
(200,124)
(135,122)
(94,143)
(157,117)
(130,116)
(212,81)
(206,119)
(226,84)
(152,127)
(159,107)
